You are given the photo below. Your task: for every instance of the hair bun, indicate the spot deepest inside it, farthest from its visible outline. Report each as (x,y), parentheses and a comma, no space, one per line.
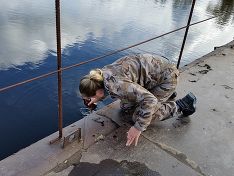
(96,75)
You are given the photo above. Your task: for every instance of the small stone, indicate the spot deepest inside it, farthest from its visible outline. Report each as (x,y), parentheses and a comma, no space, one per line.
(214,110)
(216,47)
(65,161)
(192,80)
(208,66)
(203,71)
(192,74)
(100,137)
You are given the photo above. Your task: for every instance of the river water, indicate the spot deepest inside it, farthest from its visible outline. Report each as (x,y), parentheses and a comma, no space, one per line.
(89,29)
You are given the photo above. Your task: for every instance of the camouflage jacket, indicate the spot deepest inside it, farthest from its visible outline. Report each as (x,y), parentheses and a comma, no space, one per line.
(130,79)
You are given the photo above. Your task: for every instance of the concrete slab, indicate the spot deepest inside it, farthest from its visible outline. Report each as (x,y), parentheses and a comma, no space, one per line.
(41,157)
(147,153)
(112,111)
(208,136)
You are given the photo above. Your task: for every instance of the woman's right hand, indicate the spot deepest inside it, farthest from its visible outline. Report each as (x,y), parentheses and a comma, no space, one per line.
(92,101)
(89,103)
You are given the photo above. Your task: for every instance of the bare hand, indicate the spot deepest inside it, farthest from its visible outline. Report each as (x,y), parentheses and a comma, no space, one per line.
(92,101)
(133,135)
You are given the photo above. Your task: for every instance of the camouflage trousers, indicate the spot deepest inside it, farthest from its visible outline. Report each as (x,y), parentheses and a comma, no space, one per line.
(166,108)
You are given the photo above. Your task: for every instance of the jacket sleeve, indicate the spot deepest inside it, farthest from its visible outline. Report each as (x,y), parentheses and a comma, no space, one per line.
(146,102)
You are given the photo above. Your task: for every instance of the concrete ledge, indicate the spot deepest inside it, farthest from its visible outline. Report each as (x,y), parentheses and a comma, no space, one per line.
(217,52)
(41,157)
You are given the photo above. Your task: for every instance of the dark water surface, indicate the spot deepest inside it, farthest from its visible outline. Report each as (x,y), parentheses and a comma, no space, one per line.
(89,29)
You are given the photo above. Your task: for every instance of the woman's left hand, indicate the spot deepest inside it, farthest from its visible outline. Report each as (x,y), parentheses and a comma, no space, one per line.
(133,135)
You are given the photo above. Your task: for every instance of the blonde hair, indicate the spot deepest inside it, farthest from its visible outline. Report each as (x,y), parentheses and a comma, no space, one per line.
(90,83)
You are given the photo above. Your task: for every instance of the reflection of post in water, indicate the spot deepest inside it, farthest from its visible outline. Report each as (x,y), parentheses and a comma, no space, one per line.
(160,1)
(182,3)
(224,10)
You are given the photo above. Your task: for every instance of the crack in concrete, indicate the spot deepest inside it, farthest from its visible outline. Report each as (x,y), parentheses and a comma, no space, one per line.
(177,154)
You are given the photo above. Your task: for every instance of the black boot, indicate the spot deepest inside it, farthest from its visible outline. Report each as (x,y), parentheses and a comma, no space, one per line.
(172,97)
(187,105)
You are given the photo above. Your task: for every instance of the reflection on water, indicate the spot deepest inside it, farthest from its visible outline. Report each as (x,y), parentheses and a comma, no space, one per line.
(89,29)
(27,29)
(85,111)
(224,9)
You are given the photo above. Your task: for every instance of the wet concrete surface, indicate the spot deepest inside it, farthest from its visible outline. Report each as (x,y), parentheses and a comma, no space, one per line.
(111,167)
(146,152)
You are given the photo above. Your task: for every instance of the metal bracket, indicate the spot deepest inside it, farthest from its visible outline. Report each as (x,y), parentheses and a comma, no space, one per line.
(74,136)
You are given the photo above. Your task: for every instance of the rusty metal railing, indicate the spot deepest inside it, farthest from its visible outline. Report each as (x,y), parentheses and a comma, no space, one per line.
(186,32)
(59,66)
(60,69)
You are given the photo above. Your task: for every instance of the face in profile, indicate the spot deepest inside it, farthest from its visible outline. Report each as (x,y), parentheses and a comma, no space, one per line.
(99,97)
(91,106)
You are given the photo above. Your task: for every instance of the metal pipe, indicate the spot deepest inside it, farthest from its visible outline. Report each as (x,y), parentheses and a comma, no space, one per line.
(96,58)
(186,32)
(59,64)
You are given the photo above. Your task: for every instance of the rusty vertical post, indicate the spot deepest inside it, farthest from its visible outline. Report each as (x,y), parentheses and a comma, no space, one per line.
(59,63)
(186,32)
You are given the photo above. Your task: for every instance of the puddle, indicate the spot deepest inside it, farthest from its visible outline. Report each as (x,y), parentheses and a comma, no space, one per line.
(113,168)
